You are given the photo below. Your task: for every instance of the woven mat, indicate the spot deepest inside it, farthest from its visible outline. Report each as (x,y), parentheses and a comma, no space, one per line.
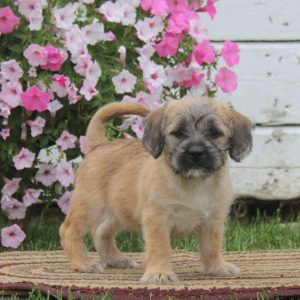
(270,272)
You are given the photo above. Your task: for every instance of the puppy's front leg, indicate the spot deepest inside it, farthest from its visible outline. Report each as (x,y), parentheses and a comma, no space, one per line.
(158,248)
(210,238)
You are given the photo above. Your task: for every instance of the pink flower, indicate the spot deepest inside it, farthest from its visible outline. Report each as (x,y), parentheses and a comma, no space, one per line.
(210,8)
(66,140)
(11,70)
(14,208)
(65,173)
(94,33)
(10,186)
(4,108)
(8,20)
(32,72)
(35,99)
(24,159)
(93,72)
(65,16)
(88,89)
(149,28)
(31,196)
(122,52)
(204,52)
(12,236)
(83,65)
(55,58)
(148,100)
(37,126)
(156,7)
(5,133)
(60,85)
(226,80)
(29,8)
(82,143)
(178,5)
(168,45)
(197,30)
(124,82)
(138,127)
(64,202)
(110,37)
(46,175)
(36,55)
(54,106)
(230,53)
(72,94)
(193,81)
(11,92)
(178,23)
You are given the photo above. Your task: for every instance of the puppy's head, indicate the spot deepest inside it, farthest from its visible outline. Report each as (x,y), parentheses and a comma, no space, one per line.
(196,135)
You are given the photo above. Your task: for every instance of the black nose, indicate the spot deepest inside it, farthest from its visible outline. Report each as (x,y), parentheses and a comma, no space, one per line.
(196,151)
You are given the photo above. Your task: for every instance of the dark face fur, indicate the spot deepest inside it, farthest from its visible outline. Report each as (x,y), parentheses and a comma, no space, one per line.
(196,138)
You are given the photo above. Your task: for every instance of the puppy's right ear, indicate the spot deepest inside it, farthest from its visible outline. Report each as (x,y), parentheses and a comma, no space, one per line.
(154,138)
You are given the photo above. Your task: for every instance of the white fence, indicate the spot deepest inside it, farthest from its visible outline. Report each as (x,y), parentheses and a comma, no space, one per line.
(268,32)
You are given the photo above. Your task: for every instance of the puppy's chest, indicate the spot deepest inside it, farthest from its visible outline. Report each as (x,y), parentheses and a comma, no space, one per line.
(190,210)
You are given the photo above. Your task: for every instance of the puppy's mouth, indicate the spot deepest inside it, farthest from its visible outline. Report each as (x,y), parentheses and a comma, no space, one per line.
(189,167)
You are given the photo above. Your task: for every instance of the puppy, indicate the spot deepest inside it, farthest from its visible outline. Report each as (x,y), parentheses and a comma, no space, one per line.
(174,182)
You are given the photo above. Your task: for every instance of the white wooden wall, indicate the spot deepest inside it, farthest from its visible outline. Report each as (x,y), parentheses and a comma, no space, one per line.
(268,32)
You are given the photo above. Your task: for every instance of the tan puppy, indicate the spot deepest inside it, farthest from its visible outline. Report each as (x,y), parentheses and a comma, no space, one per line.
(176,183)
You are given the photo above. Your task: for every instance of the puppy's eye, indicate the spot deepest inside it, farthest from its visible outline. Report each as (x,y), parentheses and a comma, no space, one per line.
(179,134)
(214,133)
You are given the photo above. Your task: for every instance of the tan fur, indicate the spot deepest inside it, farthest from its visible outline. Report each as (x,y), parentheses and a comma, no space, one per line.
(119,186)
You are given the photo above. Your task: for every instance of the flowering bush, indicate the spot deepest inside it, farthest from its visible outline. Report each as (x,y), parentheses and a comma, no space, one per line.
(62,60)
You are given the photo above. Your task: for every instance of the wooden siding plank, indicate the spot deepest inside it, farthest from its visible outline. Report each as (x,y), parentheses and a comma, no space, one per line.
(255,20)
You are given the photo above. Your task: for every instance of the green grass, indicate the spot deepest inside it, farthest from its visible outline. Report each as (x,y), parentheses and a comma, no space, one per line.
(260,234)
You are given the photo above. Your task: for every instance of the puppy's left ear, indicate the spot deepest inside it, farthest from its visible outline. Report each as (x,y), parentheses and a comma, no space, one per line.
(154,138)
(241,136)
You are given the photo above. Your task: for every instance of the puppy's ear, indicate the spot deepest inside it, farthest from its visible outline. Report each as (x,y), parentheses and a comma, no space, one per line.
(154,138)
(241,136)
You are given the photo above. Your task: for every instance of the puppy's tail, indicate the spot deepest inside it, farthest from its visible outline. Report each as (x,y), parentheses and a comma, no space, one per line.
(96,129)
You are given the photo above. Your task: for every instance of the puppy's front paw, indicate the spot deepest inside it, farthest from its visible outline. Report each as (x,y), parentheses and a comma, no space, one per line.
(225,269)
(121,263)
(91,267)
(163,277)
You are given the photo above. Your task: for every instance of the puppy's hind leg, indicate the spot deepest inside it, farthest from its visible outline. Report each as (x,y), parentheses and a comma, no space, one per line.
(72,232)
(105,244)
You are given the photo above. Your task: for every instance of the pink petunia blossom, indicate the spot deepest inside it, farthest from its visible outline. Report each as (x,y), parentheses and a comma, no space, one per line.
(10,186)
(46,174)
(156,7)
(154,74)
(31,196)
(151,101)
(110,11)
(82,143)
(204,52)
(88,90)
(54,106)
(148,28)
(197,30)
(194,81)
(11,70)
(230,53)
(94,33)
(64,202)
(29,8)
(5,133)
(35,22)
(210,8)
(127,12)
(66,140)
(83,65)
(138,127)
(55,58)
(226,80)
(65,173)
(93,72)
(14,208)
(72,94)
(36,55)
(36,126)
(24,159)
(35,99)
(60,85)
(12,236)
(8,20)
(178,23)
(32,72)
(11,93)
(122,57)
(64,17)
(124,82)
(168,45)
(110,37)
(4,108)
(178,5)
